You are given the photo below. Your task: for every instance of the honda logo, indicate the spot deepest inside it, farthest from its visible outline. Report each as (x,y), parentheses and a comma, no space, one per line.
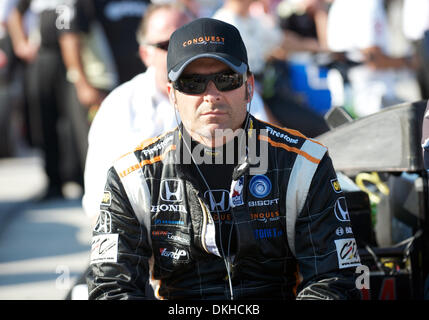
(171,190)
(218,199)
(104,222)
(340,209)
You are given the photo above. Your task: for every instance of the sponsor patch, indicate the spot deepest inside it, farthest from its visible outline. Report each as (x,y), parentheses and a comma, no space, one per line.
(172,190)
(339,231)
(281,135)
(169,222)
(265,216)
(218,200)
(263,203)
(260,186)
(347,253)
(336,185)
(172,237)
(237,192)
(104,248)
(267,233)
(168,208)
(107,199)
(177,255)
(104,222)
(340,209)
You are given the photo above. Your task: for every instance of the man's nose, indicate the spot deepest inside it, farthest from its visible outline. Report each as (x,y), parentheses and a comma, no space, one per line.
(211,93)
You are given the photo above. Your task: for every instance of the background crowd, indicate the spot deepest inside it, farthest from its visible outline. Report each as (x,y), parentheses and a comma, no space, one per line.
(60,59)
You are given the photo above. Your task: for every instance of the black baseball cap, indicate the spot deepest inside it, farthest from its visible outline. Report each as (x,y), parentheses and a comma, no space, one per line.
(206,38)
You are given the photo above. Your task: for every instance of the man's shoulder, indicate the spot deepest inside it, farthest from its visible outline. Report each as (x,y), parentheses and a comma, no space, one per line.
(156,147)
(288,140)
(149,151)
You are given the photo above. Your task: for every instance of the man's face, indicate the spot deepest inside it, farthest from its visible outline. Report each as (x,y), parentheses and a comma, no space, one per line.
(203,114)
(162,24)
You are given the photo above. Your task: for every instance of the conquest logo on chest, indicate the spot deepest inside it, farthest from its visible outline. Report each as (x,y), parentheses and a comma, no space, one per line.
(265,216)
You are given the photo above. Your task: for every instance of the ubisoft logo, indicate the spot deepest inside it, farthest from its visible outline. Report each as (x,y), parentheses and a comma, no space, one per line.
(260,186)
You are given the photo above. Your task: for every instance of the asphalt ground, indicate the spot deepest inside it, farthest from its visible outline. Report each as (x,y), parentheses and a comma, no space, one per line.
(44,245)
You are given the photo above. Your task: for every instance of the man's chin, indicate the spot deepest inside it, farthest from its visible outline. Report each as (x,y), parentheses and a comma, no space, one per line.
(215,133)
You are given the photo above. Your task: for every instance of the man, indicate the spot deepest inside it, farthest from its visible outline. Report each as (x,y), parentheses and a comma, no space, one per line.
(140,108)
(361,30)
(100,52)
(45,86)
(217,229)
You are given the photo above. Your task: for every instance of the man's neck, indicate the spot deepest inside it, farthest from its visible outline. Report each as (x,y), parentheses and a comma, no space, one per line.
(217,139)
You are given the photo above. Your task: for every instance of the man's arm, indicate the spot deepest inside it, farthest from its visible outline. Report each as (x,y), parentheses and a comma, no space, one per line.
(325,247)
(23,48)
(120,251)
(71,50)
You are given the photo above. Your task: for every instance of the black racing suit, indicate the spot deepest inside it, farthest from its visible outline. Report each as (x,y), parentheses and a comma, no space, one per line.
(291,225)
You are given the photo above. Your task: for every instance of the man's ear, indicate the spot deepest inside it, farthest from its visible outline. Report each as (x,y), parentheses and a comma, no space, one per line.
(144,55)
(171,94)
(250,87)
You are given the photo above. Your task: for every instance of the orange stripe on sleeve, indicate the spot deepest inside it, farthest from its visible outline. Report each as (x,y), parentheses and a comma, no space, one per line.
(292,149)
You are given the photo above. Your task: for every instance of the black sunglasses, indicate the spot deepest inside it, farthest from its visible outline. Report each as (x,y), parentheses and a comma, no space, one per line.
(197,83)
(160,45)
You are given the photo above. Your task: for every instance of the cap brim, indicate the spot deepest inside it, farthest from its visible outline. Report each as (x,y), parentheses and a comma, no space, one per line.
(239,67)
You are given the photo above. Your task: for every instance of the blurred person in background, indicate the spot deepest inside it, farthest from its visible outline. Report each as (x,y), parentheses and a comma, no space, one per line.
(268,48)
(415,25)
(17,128)
(304,23)
(46,80)
(100,52)
(198,8)
(360,29)
(139,108)
(6,66)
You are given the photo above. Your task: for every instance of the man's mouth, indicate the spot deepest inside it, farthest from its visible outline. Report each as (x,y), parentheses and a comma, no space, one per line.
(214,113)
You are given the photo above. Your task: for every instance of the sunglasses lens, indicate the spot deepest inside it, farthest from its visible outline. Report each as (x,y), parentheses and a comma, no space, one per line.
(163,45)
(160,45)
(227,82)
(193,84)
(197,83)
